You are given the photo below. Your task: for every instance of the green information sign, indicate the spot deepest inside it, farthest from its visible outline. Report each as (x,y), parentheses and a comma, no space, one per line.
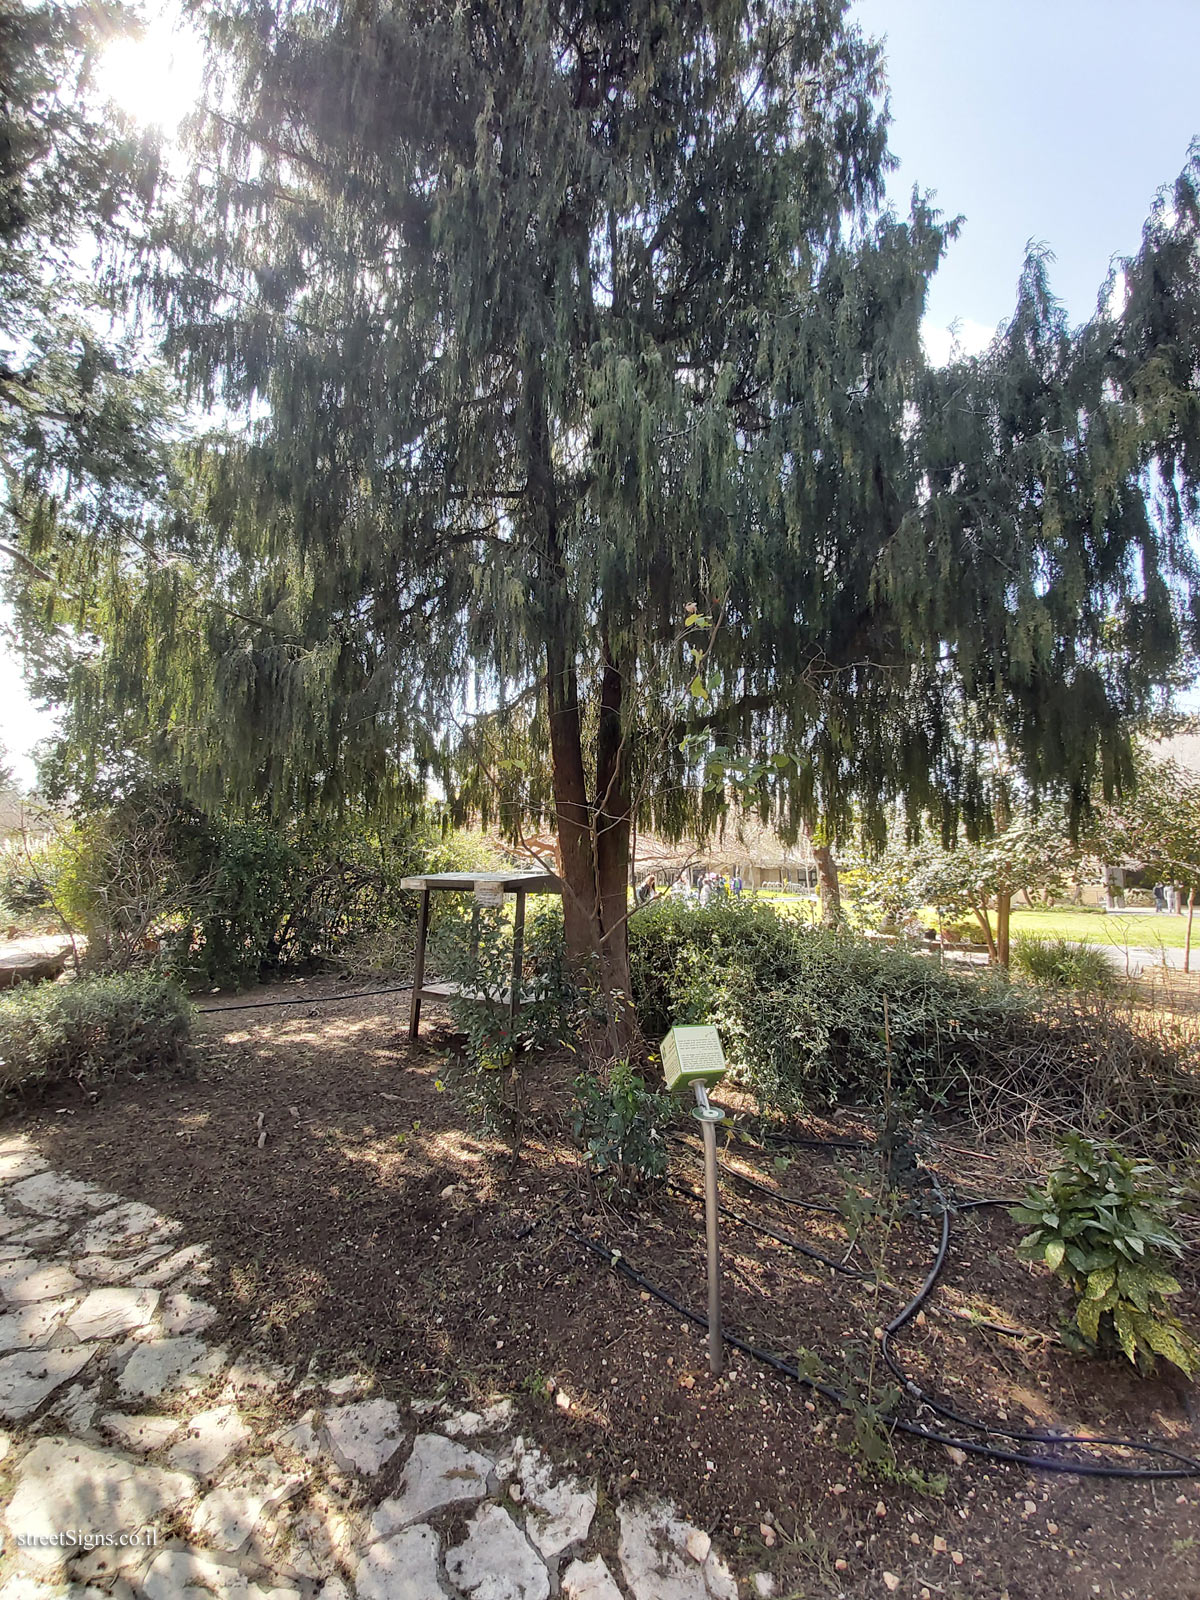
(692,1055)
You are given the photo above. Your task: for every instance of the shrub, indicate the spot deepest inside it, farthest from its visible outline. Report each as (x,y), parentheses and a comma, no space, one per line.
(623,1127)
(801,1009)
(495,1044)
(1101,1224)
(92,1029)
(1061,964)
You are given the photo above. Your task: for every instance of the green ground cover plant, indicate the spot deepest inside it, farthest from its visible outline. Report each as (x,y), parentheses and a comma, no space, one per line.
(1102,1224)
(91,1030)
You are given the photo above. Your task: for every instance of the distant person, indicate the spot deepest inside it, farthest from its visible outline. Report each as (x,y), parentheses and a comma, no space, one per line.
(706,889)
(1160,899)
(736,883)
(647,890)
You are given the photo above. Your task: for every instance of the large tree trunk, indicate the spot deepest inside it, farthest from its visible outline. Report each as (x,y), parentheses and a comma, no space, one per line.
(613,829)
(594,837)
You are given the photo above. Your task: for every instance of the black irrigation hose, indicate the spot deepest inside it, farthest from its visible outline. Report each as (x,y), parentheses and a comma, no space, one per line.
(305,1000)
(1025,1436)
(780,1238)
(916,1430)
(1187,1467)
(784,1136)
(763,1188)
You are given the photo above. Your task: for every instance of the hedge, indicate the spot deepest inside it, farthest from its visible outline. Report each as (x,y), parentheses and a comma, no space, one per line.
(92,1029)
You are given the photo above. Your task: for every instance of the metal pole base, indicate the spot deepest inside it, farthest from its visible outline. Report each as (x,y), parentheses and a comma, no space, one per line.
(708,1117)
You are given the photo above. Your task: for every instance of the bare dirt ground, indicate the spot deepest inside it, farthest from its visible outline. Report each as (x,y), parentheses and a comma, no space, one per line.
(376,1224)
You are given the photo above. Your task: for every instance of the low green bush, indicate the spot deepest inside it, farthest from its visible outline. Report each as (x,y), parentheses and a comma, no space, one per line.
(91,1030)
(477,955)
(801,1009)
(623,1126)
(1063,964)
(1102,1224)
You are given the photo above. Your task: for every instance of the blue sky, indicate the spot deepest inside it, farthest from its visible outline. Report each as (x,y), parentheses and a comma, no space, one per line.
(1054,121)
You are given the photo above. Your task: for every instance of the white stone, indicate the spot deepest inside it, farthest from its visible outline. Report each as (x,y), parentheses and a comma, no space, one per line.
(438,1473)
(118,1269)
(22,1282)
(763,1585)
(336,1588)
(352,1383)
(77,1408)
(38,1234)
(26,1380)
(589,1580)
(495,1561)
(262,1377)
(140,1433)
(121,1229)
(301,1437)
(653,1552)
(210,1438)
(5,1445)
(33,1326)
(364,1437)
(19,1162)
(200,1575)
(173,1266)
(183,1313)
(561,1510)
(722,1584)
(404,1567)
(495,1418)
(63,1484)
(229,1515)
(106,1313)
(158,1366)
(698,1544)
(26,1588)
(50,1194)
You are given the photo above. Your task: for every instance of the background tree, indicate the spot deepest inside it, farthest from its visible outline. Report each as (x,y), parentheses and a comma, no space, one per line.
(1157,824)
(552,320)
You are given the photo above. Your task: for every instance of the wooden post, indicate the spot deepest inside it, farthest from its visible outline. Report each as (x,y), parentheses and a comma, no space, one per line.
(414,1010)
(518,960)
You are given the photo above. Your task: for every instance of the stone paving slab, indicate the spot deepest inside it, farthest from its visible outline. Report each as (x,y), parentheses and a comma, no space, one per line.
(63,1484)
(438,1474)
(97,1320)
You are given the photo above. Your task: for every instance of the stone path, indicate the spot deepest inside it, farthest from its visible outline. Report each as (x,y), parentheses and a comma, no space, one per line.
(229,1479)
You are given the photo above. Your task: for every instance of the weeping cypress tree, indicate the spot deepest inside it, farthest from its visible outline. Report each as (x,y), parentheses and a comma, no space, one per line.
(553,320)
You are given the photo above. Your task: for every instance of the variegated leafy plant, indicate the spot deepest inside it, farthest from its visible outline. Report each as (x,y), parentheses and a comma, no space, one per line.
(1102,1225)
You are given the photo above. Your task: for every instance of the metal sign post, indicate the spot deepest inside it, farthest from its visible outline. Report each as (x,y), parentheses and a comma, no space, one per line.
(692,1054)
(708,1117)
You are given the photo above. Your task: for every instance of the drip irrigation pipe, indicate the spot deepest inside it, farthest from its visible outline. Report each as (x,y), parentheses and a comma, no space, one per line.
(1022,1436)
(763,1188)
(780,1238)
(304,1000)
(1184,1467)
(783,1136)
(1189,1468)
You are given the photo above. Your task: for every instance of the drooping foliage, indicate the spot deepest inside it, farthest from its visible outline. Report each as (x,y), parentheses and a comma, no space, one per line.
(546,321)
(84,416)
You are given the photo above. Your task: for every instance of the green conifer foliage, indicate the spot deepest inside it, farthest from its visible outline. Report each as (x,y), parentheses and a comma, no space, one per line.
(550,319)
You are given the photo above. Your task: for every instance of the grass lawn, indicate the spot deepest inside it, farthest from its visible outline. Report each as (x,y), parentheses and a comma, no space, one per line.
(1142,929)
